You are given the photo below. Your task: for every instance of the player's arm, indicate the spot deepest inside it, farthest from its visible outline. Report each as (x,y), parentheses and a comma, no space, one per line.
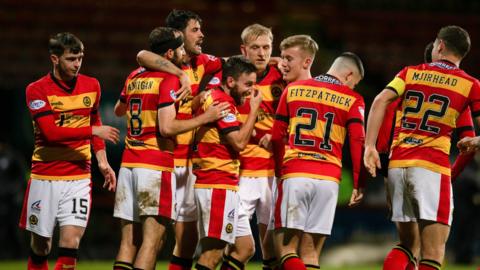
(375,120)
(356,134)
(239,139)
(169,126)
(107,171)
(464,129)
(120,108)
(154,61)
(279,133)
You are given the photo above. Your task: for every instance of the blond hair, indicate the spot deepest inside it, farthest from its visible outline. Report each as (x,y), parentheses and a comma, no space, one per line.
(304,42)
(253,31)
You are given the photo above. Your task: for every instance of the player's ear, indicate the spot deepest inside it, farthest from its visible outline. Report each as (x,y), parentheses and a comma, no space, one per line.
(230,82)
(243,50)
(55,59)
(169,54)
(307,63)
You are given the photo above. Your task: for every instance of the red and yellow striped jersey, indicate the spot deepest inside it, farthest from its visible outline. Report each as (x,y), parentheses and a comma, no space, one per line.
(316,114)
(199,66)
(215,162)
(144,93)
(72,107)
(432,97)
(256,161)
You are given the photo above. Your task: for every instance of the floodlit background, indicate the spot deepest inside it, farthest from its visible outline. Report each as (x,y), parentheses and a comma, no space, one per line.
(387,35)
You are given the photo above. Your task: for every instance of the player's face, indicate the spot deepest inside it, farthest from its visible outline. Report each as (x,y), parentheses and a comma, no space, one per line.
(242,87)
(258,51)
(179,56)
(68,65)
(193,37)
(293,63)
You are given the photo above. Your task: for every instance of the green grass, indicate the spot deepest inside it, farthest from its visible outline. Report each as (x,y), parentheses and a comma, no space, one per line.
(105,265)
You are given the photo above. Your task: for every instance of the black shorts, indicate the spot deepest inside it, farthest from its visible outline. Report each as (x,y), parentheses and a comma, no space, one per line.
(384,163)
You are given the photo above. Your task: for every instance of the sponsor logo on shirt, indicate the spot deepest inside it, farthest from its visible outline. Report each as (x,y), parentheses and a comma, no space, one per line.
(172,94)
(37,104)
(214,81)
(362,111)
(211,57)
(230,118)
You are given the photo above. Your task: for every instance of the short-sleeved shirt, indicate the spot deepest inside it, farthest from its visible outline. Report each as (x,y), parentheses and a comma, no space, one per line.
(199,66)
(316,114)
(71,107)
(144,93)
(215,162)
(433,96)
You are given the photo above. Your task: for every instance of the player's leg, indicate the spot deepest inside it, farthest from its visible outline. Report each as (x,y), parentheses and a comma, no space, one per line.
(38,217)
(131,233)
(323,196)
(155,199)
(127,212)
(153,228)
(186,235)
(212,252)
(310,248)
(264,213)
(403,255)
(270,261)
(435,206)
(291,210)
(73,214)
(217,223)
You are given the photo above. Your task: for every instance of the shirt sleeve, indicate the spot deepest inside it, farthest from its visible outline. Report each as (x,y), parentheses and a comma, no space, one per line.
(398,83)
(279,132)
(167,89)
(474,98)
(37,102)
(356,133)
(212,64)
(96,120)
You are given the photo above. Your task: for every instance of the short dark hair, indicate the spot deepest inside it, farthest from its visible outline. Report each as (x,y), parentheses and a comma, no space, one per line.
(178,19)
(456,39)
(236,66)
(60,42)
(161,39)
(356,60)
(427,54)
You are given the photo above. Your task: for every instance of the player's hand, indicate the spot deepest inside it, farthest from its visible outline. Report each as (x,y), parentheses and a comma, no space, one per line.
(109,175)
(217,111)
(255,100)
(356,198)
(265,142)
(108,133)
(371,159)
(468,144)
(185,89)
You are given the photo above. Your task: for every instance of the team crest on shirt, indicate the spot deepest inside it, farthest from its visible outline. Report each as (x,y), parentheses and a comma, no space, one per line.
(230,118)
(276,91)
(87,101)
(33,220)
(37,104)
(172,94)
(229,228)
(36,206)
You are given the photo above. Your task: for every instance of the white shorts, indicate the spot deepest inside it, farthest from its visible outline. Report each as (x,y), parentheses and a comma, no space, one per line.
(144,192)
(306,204)
(418,193)
(48,202)
(256,196)
(217,213)
(243,223)
(186,208)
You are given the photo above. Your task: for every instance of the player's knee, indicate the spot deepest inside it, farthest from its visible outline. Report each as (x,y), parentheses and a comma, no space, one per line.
(41,245)
(433,252)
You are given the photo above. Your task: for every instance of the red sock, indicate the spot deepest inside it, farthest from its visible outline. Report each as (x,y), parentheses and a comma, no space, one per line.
(66,263)
(177,263)
(67,259)
(292,262)
(37,266)
(398,258)
(411,266)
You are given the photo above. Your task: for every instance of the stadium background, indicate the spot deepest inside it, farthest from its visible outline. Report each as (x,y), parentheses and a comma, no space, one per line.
(387,35)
